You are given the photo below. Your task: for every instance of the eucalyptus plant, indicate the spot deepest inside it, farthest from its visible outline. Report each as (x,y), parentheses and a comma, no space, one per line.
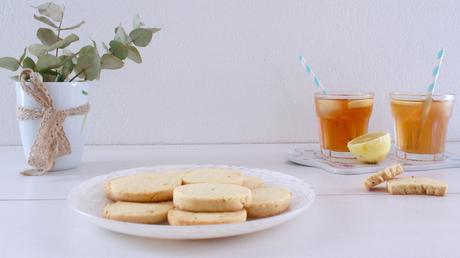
(53,59)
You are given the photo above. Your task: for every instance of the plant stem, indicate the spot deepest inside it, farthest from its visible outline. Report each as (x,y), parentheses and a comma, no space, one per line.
(59,29)
(76,75)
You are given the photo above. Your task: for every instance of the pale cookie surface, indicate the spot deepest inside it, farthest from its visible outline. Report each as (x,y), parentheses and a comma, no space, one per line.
(185,218)
(416,185)
(252,182)
(382,176)
(211,197)
(269,201)
(213,175)
(146,213)
(178,174)
(143,187)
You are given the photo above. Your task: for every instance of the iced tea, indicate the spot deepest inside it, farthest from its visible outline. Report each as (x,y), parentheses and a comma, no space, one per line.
(420,134)
(341,117)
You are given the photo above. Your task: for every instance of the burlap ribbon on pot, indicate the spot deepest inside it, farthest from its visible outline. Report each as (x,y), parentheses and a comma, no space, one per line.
(51,141)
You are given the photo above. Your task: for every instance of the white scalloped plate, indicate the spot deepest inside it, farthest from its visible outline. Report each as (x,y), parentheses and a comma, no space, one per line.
(88,199)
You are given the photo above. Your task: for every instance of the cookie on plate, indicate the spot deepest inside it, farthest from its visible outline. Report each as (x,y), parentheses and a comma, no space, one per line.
(252,182)
(416,185)
(178,217)
(269,201)
(143,187)
(382,176)
(211,197)
(217,175)
(146,213)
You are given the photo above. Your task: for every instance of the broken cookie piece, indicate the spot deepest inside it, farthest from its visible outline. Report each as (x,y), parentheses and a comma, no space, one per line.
(382,176)
(417,185)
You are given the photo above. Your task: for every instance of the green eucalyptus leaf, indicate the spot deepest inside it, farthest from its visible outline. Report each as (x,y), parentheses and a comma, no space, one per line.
(49,75)
(134,55)
(9,63)
(28,63)
(47,36)
(38,49)
(141,37)
(121,36)
(67,52)
(74,27)
(66,58)
(23,56)
(153,30)
(88,63)
(47,62)
(109,61)
(60,78)
(65,42)
(137,22)
(50,72)
(67,66)
(52,10)
(118,49)
(87,50)
(45,21)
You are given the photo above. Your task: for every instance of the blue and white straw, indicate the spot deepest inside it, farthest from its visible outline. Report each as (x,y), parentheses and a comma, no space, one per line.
(435,73)
(429,98)
(312,75)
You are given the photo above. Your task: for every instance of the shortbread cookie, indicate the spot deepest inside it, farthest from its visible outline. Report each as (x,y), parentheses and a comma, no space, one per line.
(186,218)
(252,182)
(416,185)
(269,201)
(146,213)
(213,175)
(211,197)
(382,176)
(144,187)
(179,174)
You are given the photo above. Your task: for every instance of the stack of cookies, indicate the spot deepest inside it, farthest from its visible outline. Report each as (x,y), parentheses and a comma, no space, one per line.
(201,196)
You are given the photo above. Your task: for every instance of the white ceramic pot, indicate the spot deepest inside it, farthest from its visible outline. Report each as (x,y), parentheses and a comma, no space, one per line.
(65,95)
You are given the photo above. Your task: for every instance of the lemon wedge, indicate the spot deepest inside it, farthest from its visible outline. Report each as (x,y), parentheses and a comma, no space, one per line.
(370,148)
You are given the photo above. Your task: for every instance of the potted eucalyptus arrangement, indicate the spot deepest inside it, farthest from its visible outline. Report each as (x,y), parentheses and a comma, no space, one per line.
(52,86)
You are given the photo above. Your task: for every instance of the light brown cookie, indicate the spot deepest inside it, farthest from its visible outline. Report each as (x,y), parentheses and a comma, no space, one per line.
(146,213)
(213,175)
(185,218)
(382,176)
(211,197)
(252,182)
(269,201)
(143,187)
(416,185)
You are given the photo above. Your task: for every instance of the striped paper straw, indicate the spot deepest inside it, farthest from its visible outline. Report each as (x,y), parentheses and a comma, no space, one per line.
(429,98)
(312,75)
(435,73)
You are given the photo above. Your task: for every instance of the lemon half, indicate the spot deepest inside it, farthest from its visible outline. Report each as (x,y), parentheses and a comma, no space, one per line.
(370,148)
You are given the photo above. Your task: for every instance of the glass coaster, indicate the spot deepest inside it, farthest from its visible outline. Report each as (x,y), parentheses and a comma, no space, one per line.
(312,158)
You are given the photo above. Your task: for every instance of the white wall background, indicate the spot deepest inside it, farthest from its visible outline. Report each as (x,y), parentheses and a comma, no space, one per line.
(227,71)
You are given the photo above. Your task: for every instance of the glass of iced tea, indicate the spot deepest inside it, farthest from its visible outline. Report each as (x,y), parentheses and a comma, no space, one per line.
(342,116)
(421,127)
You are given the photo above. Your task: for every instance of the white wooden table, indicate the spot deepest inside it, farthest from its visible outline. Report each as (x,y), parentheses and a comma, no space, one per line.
(344,221)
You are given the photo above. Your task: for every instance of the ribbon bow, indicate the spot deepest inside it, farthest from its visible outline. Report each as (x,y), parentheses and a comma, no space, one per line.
(51,141)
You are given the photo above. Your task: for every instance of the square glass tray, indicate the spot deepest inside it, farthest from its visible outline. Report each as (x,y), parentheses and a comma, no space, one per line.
(312,157)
